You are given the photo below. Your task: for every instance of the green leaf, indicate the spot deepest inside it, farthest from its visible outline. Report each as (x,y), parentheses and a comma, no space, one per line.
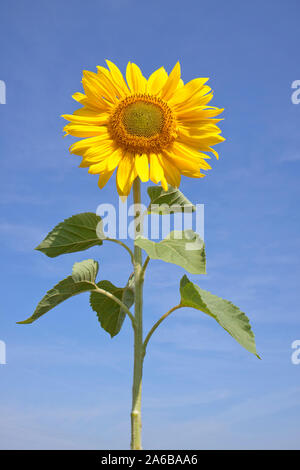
(186,249)
(110,315)
(76,233)
(82,280)
(235,322)
(167,202)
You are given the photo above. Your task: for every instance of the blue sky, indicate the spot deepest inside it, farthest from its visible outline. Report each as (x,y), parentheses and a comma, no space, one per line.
(66,384)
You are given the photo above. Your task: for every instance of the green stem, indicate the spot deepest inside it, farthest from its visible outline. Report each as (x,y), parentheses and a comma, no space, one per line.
(118,301)
(145,266)
(136,420)
(156,325)
(123,245)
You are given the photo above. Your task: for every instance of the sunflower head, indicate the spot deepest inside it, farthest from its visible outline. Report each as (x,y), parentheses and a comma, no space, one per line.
(157,129)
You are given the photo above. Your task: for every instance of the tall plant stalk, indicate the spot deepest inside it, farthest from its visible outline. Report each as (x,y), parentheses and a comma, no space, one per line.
(136,418)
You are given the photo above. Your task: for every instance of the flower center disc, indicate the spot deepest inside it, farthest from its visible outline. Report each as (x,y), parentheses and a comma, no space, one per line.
(143,119)
(142,123)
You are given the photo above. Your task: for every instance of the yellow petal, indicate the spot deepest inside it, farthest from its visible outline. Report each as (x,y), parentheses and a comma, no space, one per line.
(156,81)
(114,159)
(98,167)
(124,172)
(194,106)
(171,83)
(188,164)
(142,167)
(117,77)
(200,98)
(130,181)
(197,114)
(100,85)
(97,154)
(84,164)
(214,152)
(82,145)
(85,101)
(171,173)
(103,178)
(206,139)
(90,112)
(78,130)
(207,148)
(87,120)
(205,127)
(135,79)
(108,82)
(198,124)
(192,174)
(164,184)
(184,151)
(79,97)
(186,92)
(96,94)
(89,162)
(156,171)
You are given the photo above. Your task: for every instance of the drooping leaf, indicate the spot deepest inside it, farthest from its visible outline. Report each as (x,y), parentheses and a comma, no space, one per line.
(110,315)
(167,202)
(76,233)
(230,317)
(186,249)
(82,280)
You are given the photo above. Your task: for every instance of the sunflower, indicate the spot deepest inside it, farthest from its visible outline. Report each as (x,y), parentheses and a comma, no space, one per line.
(157,129)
